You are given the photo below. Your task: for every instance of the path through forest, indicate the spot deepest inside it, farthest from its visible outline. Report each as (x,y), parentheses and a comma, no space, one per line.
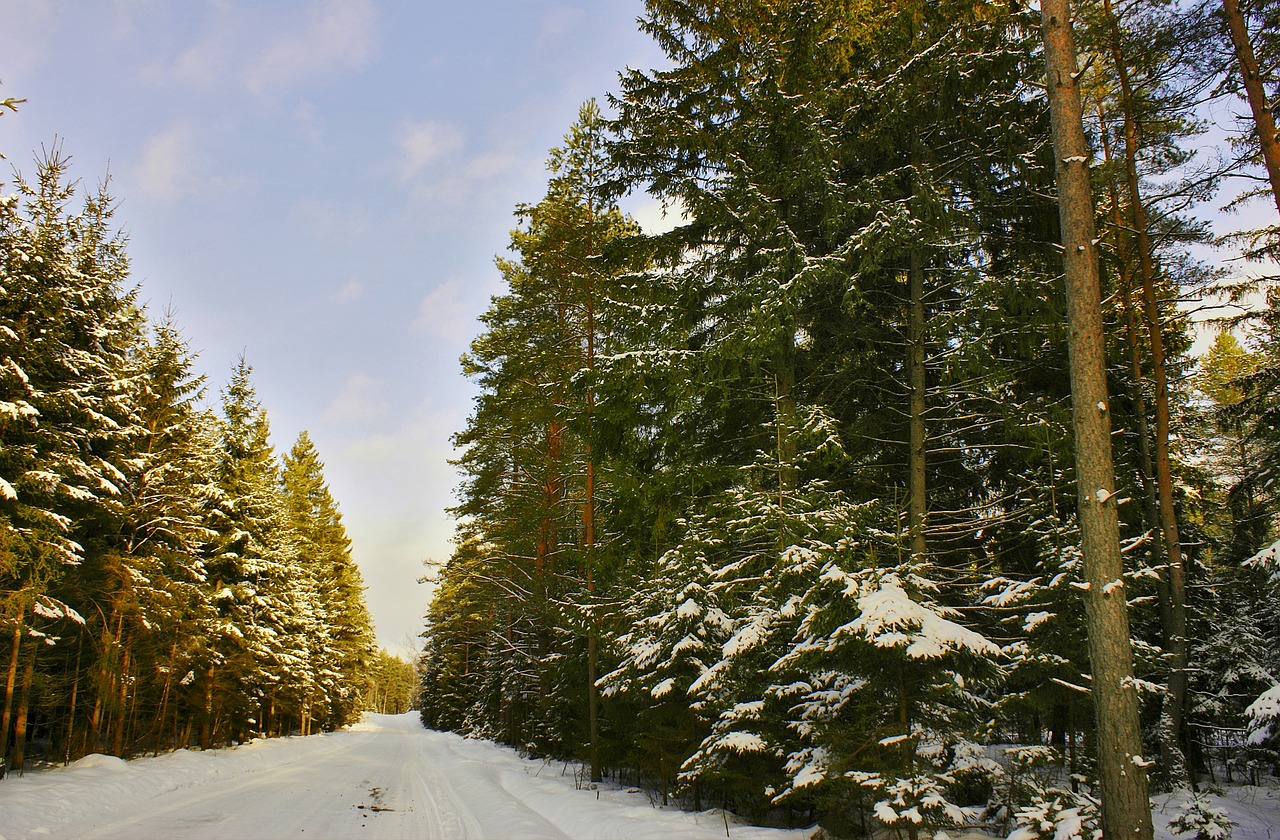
(386,777)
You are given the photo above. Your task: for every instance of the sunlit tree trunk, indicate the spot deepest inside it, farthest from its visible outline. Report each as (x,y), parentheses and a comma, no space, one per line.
(24,705)
(1172,754)
(1126,810)
(10,683)
(1263,118)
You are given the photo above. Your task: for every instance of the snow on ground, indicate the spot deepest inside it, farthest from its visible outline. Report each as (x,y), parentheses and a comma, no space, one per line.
(1255,811)
(386,777)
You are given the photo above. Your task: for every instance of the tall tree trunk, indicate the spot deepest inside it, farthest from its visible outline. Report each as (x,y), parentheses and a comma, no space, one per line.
(916,501)
(589,520)
(1264,120)
(1146,464)
(24,705)
(75,693)
(784,384)
(206,712)
(1126,808)
(122,701)
(11,681)
(164,697)
(1172,755)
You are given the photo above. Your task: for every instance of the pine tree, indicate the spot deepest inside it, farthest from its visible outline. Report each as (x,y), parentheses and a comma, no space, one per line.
(1125,807)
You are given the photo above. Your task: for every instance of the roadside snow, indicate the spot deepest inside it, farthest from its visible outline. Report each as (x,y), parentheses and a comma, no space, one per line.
(386,777)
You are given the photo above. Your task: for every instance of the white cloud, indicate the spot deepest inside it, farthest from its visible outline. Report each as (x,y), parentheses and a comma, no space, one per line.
(423,143)
(351,290)
(174,165)
(169,164)
(338,34)
(359,402)
(444,314)
(248,45)
(491,165)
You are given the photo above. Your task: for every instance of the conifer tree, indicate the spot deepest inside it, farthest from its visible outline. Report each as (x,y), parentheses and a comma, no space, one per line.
(67,326)
(340,640)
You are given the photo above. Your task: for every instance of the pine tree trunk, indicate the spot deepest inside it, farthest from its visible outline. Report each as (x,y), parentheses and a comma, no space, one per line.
(24,704)
(164,697)
(785,406)
(1146,464)
(589,515)
(1126,809)
(206,716)
(10,683)
(1172,756)
(71,712)
(916,501)
(122,701)
(1264,120)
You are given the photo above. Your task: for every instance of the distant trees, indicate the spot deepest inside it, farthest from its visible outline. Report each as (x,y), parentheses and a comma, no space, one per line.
(811,479)
(163,576)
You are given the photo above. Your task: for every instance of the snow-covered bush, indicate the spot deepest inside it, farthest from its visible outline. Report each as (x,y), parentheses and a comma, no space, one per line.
(1057,815)
(1264,717)
(1201,820)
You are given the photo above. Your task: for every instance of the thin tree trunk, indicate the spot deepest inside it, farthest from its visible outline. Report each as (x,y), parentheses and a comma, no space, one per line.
(206,716)
(1146,463)
(589,521)
(24,704)
(1263,119)
(164,697)
(122,702)
(1126,809)
(1172,756)
(75,692)
(785,406)
(916,501)
(10,682)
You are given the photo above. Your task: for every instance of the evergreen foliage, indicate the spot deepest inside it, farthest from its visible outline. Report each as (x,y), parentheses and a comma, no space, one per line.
(163,581)
(830,548)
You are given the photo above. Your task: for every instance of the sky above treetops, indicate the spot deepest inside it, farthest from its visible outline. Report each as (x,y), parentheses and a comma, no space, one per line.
(322,186)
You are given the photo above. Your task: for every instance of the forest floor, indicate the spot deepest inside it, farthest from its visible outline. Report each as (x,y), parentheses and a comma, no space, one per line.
(387,777)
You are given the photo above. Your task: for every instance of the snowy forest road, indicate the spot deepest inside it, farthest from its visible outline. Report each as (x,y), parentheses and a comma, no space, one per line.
(386,777)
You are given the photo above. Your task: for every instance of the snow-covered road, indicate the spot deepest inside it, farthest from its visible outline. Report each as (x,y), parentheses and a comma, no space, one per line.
(387,777)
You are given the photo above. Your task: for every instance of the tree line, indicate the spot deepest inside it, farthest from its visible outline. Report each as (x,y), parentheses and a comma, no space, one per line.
(778,509)
(166,579)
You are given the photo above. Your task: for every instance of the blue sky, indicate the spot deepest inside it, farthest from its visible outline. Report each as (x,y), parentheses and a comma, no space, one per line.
(323,186)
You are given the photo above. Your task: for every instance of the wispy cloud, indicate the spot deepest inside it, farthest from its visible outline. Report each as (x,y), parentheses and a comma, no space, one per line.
(360,401)
(423,143)
(443,314)
(329,220)
(171,165)
(37,21)
(338,34)
(350,291)
(175,164)
(265,53)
